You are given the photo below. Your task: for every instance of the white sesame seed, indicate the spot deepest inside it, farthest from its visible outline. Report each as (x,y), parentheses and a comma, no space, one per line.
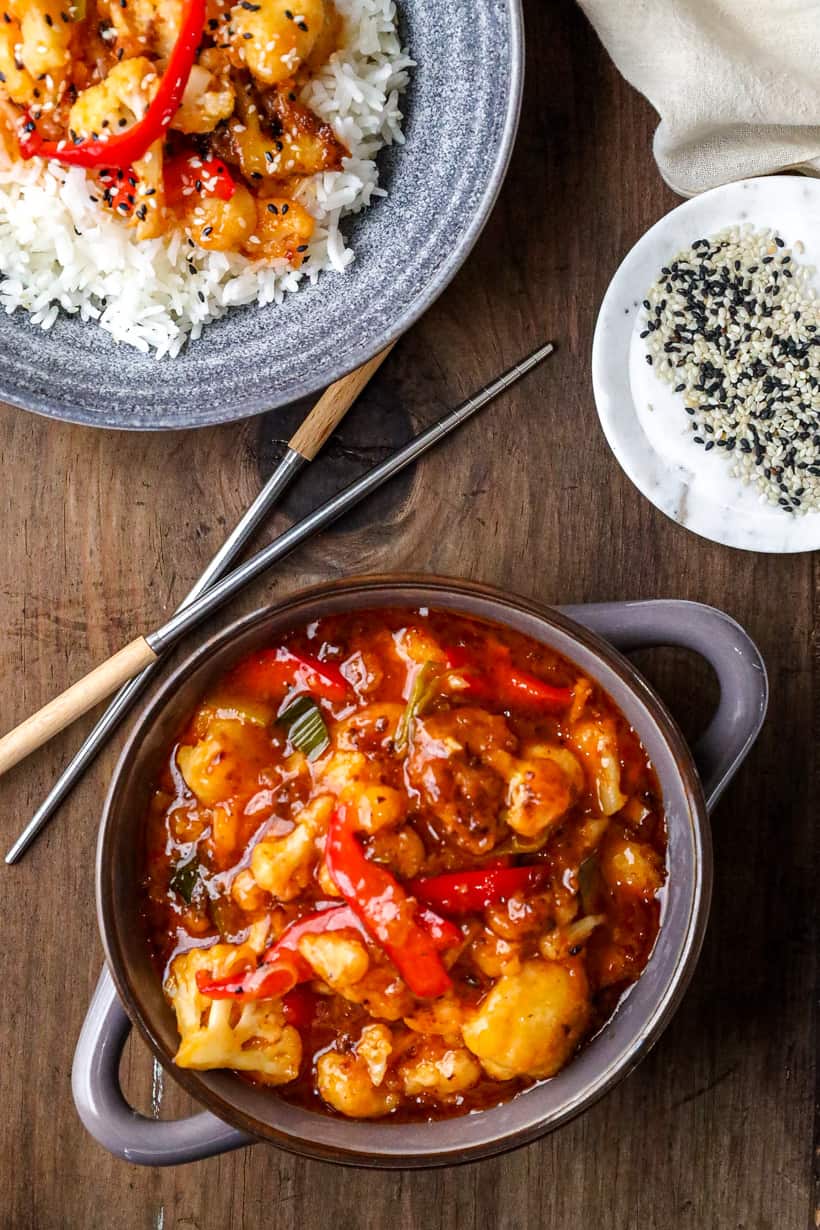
(733,325)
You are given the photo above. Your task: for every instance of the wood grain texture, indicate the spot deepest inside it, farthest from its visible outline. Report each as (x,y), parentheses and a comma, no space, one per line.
(332,406)
(103,534)
(58,714)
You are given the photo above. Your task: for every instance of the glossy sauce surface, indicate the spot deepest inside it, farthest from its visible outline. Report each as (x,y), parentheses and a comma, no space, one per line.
(454,747)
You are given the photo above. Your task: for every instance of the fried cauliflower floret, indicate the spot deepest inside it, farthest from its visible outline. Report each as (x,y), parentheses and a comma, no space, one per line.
(382,992)
(209,96)
(144,25)
(371,729)
(217,225)
(457,761)
(439,1070)
(541,789)
(343,771)
(246,892)
(149,210)
(443,1016)
(34,49)
(325,882)
(416,646)
(283,865)
(531,1022)
(495,956)
(380,807)
(250,1037)
(273,37)
(225,762)
(402,851)
(354,779)
(374,1048)
(339,960)
(18,83)
(562,756)
(345,1084)
(272,134)
(631,867)
(283,227)
(118,100)
(597,743)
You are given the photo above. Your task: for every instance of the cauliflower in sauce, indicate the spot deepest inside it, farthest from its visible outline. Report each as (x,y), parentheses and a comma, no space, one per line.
(401,863)
(226,163)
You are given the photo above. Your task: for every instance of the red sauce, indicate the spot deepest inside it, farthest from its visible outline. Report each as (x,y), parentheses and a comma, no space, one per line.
(484,774)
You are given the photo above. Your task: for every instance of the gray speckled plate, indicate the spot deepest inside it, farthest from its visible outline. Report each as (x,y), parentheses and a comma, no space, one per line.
(461,114)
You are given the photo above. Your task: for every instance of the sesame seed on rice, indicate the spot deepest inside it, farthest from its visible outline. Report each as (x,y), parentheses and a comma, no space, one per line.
(732,324)
(60,252)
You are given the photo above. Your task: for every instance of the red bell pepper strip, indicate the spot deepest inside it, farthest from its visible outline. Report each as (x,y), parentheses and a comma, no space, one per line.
(189,174)
(124,148)
(385,909)
(505,681)
(460,892)
(120,190)
(283,967)
(275,977)
(523,688)
(275,671)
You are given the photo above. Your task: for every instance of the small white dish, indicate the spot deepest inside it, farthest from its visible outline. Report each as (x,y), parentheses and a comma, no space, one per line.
(643,418)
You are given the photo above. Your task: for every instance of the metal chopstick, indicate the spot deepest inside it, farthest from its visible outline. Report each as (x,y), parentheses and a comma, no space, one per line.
(164,637)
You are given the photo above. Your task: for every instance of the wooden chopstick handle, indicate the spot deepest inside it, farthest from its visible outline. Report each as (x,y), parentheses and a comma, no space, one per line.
(75,701)
(332,406)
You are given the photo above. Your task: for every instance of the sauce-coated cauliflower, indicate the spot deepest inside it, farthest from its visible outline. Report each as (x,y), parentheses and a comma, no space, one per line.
(631,867)
(250,1037)
(283,865)
(441,1071)
(597,743)
(345,1081)
(531,1021)
(339,960)
(273,37)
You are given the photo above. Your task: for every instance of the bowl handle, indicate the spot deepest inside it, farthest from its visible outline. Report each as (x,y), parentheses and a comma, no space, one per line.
(736,660)
(95,1083)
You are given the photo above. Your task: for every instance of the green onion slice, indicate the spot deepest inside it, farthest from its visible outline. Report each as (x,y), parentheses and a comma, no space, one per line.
(422,692)
(589,884)
(221,914)
(306,727)
(186,877)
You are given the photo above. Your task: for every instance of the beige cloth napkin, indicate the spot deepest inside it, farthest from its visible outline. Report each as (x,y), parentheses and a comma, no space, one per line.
(736,82)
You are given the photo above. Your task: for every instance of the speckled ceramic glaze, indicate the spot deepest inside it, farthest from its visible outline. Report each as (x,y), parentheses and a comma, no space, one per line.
(461,113)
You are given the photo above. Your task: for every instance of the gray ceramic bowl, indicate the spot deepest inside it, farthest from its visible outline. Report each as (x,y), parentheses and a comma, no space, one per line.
(239,1114)
(461,115)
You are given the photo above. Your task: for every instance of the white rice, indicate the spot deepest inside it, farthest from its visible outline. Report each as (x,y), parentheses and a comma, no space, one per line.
(61,251)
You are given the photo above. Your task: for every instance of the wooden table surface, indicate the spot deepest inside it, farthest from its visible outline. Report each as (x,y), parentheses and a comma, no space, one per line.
(103,533)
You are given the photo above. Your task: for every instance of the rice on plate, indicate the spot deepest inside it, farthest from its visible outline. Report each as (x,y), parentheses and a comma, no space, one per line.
(60,251)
